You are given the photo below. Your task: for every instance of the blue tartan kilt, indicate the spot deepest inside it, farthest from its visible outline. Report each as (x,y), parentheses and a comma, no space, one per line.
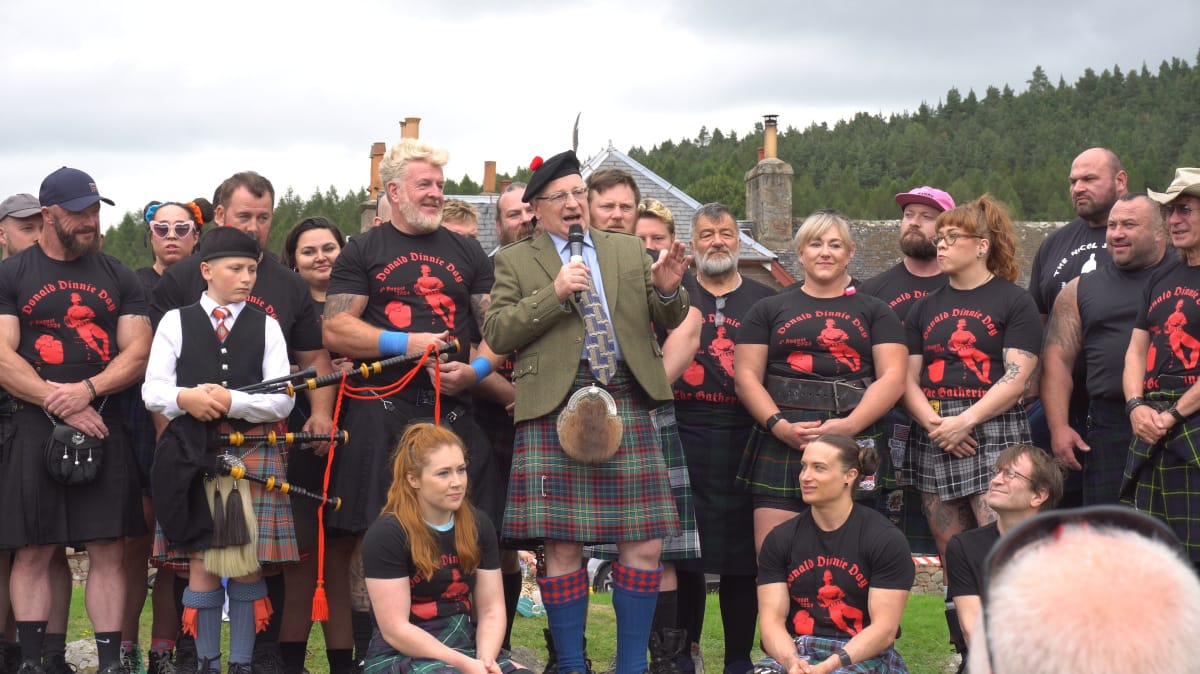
(456,631)
(815,649)
(627,498)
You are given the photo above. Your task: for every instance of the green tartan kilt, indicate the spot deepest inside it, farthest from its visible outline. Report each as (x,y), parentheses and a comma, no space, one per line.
(456,631)
(627,498)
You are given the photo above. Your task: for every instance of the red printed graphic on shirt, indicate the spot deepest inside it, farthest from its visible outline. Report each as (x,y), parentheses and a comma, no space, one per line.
(1173,321)
(82,319)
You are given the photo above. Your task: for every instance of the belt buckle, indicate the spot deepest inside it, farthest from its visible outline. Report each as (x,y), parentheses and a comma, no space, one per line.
(426,397)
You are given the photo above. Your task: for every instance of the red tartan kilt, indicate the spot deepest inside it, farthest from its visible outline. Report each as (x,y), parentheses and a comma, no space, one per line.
(627,498)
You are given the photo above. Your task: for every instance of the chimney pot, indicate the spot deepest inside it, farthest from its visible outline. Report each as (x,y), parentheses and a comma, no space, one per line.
(377,150)
(489,177)
(410,127)
(761,153)
(770,131)
(504,185)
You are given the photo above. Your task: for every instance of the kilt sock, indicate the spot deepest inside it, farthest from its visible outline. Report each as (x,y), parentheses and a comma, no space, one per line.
(242,627)
(635,594)
(512,594)
(566,601)
(208,620)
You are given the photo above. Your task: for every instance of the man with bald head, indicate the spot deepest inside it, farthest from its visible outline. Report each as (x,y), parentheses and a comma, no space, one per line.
(1090,325)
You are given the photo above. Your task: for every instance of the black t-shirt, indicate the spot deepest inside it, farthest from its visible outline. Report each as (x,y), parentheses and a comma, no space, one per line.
(386,555)
(965,556)
(68,311)
(962,335)
(1109,301)
(149,279)
(830,573)
(827,337)
(1069,251)
(278,291)
(899,288)
(709,377)
(1171,314)
(415,283)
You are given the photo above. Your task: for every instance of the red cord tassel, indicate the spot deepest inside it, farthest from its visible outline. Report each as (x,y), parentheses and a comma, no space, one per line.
(188,620)
(262,613)
(320,610)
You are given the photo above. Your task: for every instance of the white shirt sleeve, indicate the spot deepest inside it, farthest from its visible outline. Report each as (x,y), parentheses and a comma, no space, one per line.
(159,391)
(266,407)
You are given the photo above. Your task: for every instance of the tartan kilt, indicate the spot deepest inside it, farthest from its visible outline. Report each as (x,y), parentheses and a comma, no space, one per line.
(456,631)
(1109,434)
(687,544)
(627,498)
(815,649)
(771,468)
(1163,479)
(935,471)
(276,531)
(714,437)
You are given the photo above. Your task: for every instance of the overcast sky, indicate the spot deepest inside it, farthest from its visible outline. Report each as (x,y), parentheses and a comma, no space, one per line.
(163,100)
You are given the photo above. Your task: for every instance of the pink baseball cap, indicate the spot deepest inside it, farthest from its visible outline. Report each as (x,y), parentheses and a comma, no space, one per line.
(930,196)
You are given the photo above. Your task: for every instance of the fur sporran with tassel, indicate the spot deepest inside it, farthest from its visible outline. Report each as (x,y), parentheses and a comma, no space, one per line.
(234,549)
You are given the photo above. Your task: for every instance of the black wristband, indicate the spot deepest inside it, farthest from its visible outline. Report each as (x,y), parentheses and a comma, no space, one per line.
(772,420)
(844,657)
(1133,403)
(90,387)
(1174,411)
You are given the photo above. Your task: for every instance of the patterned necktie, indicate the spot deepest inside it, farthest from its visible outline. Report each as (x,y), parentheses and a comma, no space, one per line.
(221,313)
(598,336)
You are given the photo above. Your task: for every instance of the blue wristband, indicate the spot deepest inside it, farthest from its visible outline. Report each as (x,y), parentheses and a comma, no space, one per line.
(482,367)
(393,343)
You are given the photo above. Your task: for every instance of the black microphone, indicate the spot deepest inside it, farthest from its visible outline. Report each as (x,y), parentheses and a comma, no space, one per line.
(575,246)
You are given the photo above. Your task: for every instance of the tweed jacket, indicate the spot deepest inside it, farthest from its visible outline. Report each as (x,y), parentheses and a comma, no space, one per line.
(547,335)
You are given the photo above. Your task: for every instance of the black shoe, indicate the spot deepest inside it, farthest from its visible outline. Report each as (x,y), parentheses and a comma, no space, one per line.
(30,667)
(551,655)
(10,657)
(240,668)
(159,662)
(209,665)
(114,667)
(665,647)
(56,664)
(267,659)
(185,657)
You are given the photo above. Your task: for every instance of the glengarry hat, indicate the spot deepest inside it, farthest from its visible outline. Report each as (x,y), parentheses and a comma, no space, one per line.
(546,172)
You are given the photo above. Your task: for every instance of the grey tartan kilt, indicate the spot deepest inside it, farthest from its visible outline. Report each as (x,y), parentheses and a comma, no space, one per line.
(935,471)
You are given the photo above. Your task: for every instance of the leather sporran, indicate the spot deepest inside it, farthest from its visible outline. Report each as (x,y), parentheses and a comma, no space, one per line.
(73,457)
(589,428)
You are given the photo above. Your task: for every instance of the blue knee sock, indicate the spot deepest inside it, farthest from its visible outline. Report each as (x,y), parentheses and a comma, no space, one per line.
(242,597)
(566,600)
(635,595)
(208,621)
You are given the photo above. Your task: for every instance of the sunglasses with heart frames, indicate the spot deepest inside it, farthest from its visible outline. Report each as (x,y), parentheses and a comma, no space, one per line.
(162,229)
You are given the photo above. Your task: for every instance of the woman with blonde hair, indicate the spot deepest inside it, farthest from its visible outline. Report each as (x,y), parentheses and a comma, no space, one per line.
(817,359)
(973,346)
(433,566)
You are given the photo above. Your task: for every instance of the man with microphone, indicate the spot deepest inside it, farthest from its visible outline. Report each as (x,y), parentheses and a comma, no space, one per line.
(578,310)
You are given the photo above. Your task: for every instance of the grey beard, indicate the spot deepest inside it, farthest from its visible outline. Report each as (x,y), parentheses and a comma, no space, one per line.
(716,267)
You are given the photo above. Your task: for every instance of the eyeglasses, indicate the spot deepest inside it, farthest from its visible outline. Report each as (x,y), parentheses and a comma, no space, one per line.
(1052,524)
(953,237)
(1181,209)
(1009,474)
(162,229)
(719,319)
(561,197)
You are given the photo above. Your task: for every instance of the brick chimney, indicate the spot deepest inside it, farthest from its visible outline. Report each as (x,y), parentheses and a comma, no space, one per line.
(769,194)
(410,127)
(377,152)
(504,184)
(489,177)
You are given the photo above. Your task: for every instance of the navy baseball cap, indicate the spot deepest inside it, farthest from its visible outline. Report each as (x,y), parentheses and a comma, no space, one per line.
(71,189)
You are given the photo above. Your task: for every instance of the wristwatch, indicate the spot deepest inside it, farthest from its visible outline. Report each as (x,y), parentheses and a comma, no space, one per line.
(1133,403)
(772,420)
(1174,411)
(844,657)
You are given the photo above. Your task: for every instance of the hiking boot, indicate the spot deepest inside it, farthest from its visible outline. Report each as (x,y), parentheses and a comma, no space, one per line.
(209,665)
(240,668)
(665,648)
(267,659)
(132,660)
(114,667)
(185,656)
(56,664)
(30,667)
(160,663)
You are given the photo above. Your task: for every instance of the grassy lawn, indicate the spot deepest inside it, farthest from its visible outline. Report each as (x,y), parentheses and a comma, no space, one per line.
(924,642)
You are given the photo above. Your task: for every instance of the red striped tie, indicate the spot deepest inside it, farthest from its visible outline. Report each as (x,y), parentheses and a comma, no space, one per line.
(221,313)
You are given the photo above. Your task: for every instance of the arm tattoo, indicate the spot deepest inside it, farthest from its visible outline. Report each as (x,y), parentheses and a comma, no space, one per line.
(336,304)
(1011,369)
(1066,329)
(479,307)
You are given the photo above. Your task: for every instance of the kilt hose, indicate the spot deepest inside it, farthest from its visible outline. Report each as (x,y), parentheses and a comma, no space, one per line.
(276,530)
(771,468)
(687,544)
(456,631)
(1163,479)
(935,471)
(627,498)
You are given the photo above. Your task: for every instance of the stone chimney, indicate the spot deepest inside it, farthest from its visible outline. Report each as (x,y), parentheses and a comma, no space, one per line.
(410,127)
(489,177)
(769,194)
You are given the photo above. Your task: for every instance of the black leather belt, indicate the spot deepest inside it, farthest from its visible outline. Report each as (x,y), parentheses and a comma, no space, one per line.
(817,394)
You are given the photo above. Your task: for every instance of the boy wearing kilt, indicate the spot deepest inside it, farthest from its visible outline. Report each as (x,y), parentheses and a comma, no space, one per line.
(540,304)
(200,355)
